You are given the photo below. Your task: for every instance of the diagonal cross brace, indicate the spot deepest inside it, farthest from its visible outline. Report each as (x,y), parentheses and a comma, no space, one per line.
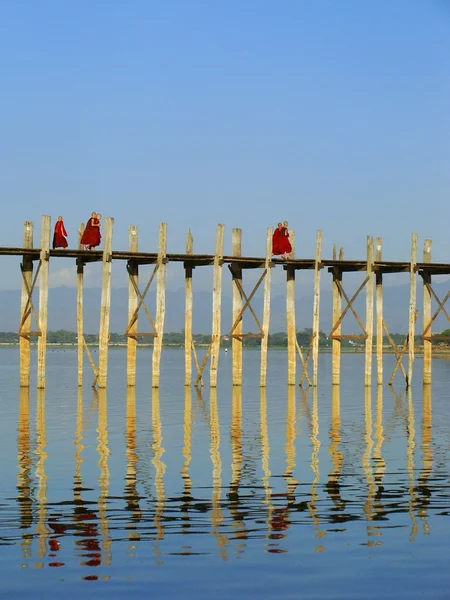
(141,302)
(201,368)
(305,361)
(441,307)
(29,306)
(247,304)
(349,307)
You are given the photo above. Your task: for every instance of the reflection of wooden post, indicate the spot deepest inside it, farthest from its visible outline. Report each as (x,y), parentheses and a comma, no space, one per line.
(188,313)
(105,304)
(427,344)
(236,249)
(80,292)
(412,305)
(290,315)
(266,314)
(336,342)
(369,312)
(133,273)
(27,275)
(216,306)
(316,308)
(160,304)
(43,301)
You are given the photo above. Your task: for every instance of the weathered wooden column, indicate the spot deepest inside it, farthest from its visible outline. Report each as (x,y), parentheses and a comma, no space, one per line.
(105,303)
(133,274)
(336,313)
(316,307)
(160,304)
(43,300)
(216,306)
(427,343)
(27,280)
(236,272)
(412,306)
(80,324)
(290,315)
(266,313)
(369,312)
(188,268)
(379,309)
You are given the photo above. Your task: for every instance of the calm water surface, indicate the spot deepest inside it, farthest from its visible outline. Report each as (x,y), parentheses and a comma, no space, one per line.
(283,493)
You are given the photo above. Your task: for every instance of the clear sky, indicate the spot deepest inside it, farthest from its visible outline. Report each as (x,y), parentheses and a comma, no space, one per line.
(333,114)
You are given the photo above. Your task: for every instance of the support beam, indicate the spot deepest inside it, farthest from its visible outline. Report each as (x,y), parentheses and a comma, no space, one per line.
(43,300)
(80,323)
(379,309)
(290,315)
(105,303)
(427,343)
(133,285)
(188,313)
(412,306)
(336,313)
(216,305)
(236,343)
(266,313)
(369,312)
(316,308)
(27,278)
(160,304)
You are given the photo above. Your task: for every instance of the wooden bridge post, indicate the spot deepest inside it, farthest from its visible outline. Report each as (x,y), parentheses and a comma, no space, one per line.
(236,343)
(412,306)
(80,324)
(266,313)
(105,303)
(379,309)
(316,308)
(369,312)
(133,273)
(27,278)
(188,313)
(43,300)
(160,304)
(336,313)
(216,305)
(290,315)
(427,343)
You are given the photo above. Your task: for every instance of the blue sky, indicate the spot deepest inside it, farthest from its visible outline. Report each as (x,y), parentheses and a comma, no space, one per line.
(331,114)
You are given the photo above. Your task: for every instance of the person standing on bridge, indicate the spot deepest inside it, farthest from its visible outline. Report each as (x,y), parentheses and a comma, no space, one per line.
(91,236)
(280,241)
(60,235)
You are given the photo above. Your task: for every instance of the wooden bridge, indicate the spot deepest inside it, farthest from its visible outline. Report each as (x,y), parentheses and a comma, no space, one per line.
(373,269)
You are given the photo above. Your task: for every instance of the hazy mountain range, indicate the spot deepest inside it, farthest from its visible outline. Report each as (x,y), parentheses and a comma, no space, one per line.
(62,310)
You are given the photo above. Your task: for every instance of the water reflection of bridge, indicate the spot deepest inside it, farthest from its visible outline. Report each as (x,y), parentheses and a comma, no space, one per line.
(303,496)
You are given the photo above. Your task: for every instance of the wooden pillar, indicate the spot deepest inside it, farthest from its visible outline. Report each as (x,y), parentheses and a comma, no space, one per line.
(290,315)
(236,344)
(336,313)
(27,275)
(133,273)
(427,344)
(379,309)
(105,303)
(412,306)
(188,268)
(216,306)
(43,300)
(266,313)
(316,308)
(160,304)
(369,312)
(80,325)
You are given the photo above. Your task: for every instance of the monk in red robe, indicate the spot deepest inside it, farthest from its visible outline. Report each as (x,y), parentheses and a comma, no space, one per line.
(277,241)
(91,236)
(60,235)
(285,243)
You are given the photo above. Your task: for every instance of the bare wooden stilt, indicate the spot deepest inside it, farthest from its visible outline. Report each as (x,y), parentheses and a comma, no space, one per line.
(133,285)
(105,304)
(266,314)
(216,305)
(80,324)
(27,277)
(236,249)
(160,304)
(43,301)
(316,308)
(369,312)
(336,341)
(290,315)
(379,309)
(188,313)
(427,343)
(412,306)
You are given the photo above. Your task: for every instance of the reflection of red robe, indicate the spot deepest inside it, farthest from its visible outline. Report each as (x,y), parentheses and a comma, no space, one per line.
(91,235)
(60,236)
